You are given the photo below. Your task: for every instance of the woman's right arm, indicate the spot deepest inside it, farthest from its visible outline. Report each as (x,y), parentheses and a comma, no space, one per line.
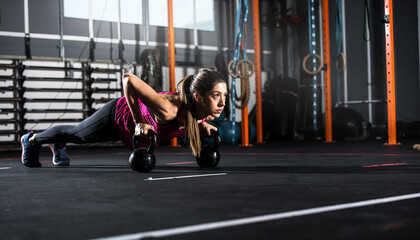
(135,88)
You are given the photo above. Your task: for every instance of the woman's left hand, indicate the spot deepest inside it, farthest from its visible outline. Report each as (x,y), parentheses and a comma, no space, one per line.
(207,128)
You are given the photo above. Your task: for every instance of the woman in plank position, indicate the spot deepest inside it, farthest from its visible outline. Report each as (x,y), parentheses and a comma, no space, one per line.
(200,98)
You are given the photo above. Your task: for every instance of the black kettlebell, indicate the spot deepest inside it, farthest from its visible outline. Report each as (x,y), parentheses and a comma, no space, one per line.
(210,156)
(143,160)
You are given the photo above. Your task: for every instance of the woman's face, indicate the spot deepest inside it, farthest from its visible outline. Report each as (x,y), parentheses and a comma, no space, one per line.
(213,102)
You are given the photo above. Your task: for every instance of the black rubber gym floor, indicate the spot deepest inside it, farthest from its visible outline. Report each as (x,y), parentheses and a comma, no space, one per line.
(277,190)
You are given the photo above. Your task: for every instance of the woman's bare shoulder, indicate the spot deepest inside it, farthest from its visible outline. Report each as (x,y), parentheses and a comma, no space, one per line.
(173,98)
(172,109)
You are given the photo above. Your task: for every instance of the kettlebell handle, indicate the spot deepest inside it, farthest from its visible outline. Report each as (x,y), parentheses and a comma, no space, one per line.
(153,139)
(216,141)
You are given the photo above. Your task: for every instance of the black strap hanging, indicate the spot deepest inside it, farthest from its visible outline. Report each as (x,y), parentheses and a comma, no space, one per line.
(92,46)
(121,51)
(28,46)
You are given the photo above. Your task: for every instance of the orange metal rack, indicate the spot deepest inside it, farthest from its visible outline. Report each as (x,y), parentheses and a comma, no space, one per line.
(390,73)
(171,56)
(257,64)
(327,72)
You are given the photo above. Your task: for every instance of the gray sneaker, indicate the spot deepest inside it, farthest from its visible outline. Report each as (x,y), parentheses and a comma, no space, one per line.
(30,152)
(60,157)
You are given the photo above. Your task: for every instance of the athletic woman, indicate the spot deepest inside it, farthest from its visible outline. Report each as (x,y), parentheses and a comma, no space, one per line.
(169,114)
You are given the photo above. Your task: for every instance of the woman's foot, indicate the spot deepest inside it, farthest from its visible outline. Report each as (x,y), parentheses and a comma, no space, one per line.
(60,157)
(416,146)
(30,151)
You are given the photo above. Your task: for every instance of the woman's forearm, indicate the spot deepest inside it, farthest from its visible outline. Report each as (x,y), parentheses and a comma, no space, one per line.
(132,99)
(134,89)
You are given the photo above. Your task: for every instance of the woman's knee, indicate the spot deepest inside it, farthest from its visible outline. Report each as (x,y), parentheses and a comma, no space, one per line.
(71,134)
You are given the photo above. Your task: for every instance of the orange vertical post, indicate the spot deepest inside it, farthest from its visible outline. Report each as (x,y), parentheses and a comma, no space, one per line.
(171,47)
(327,72)
(245,127)
(171,56)
(257,60)
(390,73)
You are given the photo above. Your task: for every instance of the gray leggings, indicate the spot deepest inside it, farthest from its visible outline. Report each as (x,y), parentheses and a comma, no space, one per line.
(96,128)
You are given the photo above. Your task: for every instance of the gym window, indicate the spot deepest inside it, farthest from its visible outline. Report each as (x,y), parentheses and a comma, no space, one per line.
(107,10)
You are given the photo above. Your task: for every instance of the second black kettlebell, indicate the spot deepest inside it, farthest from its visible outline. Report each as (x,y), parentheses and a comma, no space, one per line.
(210,156)
(143,160)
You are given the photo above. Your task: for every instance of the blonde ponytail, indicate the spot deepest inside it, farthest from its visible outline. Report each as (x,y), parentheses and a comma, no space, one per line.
(191,125)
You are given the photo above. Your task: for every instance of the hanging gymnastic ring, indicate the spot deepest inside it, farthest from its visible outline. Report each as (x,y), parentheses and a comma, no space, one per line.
(230,71)
(344,63)
(244,75)
(307,70)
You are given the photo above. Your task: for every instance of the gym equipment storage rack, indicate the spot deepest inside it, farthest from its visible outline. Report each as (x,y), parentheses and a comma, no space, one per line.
(29,93)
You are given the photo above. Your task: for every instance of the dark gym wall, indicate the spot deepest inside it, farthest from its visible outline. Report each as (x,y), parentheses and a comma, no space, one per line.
(407,60)
(356,57)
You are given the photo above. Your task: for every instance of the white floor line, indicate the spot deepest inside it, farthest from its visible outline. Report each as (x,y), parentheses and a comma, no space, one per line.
(258,219)
(188,176)
(5,168)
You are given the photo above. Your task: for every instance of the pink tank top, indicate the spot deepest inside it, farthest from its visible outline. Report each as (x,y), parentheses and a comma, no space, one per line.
(126,126)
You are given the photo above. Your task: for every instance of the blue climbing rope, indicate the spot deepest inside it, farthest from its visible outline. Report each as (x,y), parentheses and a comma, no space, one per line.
(241,18)
(312,52)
